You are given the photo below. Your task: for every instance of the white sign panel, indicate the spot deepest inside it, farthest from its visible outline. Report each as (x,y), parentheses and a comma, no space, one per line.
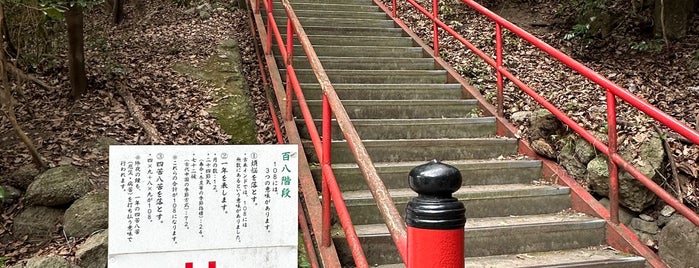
(209,206)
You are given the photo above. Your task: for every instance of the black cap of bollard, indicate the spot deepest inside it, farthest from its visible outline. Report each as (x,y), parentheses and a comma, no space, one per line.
(435,208)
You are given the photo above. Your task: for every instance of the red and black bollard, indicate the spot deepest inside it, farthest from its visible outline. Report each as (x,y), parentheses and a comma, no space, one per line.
(435,219)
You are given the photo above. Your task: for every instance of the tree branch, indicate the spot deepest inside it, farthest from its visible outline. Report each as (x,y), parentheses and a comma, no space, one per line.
(8,107)
(662,21)
(673,164)
(135,110)
(24,76)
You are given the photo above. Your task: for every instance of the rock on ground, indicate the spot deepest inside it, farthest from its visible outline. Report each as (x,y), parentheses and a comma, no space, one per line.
(58,186)
(632,193)
(679,243)
(37,223)
(9,194)
(544,131)
(569,160)
(21,178)
(625,215)
(644,226)
(543,124)
(102,144)
(87,215)
(584,150)
(520,117)
(48,262)
(93,253)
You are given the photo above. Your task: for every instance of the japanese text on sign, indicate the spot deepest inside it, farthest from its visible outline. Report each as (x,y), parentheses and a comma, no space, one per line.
(211,197)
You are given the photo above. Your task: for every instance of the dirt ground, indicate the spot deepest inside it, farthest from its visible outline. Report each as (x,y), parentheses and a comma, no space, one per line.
(139,55)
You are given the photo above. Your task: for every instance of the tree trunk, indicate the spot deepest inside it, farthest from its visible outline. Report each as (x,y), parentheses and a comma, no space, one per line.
(76,51)
(7,105)
(118,11)
(11,50)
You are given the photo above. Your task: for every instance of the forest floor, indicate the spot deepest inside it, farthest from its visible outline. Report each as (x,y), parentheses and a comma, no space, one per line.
(140,54)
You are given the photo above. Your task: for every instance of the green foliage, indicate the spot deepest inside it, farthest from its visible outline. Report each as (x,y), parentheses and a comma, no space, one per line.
(34,34)
(182,3)
(2,197)
(445,10)
(579,31)
(475,112)
(652,45)
(695,60)
(54,9)
(3,258)
(303,261)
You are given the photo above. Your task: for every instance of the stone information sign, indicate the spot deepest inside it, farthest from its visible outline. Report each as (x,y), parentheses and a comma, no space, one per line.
(209,206)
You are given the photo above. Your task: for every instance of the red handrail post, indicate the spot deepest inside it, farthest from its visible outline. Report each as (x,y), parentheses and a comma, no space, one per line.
(435,28)
(613,169)
(395,8)
(498,65)
(435,219)
(288,62)
(325,161)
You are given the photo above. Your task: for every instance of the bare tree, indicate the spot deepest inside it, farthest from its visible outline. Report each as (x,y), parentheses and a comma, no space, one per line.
(76,50)
(117,11)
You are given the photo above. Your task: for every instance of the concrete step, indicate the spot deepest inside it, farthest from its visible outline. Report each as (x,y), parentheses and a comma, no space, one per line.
(379,41)
(388,91)
(591,257)
(398,109)
(347,22)
(432,128)
(349,31)
(481,201)
(422,149)
(366,63)
(347,7)
(491,236)
(373,76)
(349,2)
(473,172)
(280,15)
(359,51)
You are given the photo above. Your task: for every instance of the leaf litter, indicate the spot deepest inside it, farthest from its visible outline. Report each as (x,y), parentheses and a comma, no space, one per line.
(139,54)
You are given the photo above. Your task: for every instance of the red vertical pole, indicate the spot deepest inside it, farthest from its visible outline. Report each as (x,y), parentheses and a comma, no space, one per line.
(277,128)
(613,170)
(395,8)
(435,219)
(188,265)
(268,47)
(325,161)
(498,65)
(435,28)
(288,62)
(307,239)
(212,264)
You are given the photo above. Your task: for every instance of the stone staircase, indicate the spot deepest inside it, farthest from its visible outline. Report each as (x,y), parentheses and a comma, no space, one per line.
(407,113)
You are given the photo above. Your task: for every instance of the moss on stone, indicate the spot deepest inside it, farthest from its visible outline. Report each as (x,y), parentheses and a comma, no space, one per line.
(232,106)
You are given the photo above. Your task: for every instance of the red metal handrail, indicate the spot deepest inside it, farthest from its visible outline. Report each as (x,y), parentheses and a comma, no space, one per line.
(329,192)
(612,91)
(322,146)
